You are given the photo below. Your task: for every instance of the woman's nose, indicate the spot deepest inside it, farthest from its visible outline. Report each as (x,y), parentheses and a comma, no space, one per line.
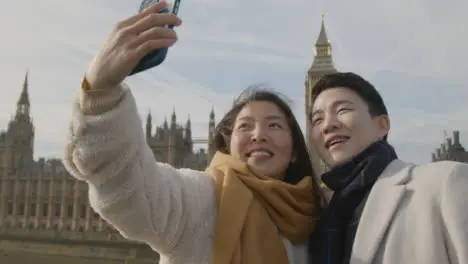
(258,135)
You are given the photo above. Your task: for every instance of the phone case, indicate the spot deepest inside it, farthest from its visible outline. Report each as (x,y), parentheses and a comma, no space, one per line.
(156,57)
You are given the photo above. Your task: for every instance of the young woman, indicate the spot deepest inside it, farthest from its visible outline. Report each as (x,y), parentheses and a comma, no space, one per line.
(256,203)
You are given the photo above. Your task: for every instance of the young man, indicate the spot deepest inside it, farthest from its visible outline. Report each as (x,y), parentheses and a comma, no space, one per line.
(383,210)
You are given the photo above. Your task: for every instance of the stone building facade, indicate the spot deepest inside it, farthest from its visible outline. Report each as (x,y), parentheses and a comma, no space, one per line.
(45,210)
(451,149)
(174,143)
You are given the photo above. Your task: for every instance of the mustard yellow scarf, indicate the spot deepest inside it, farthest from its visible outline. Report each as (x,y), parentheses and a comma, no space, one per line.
(253,210)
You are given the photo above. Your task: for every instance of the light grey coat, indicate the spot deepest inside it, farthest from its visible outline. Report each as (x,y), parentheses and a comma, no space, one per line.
(415,214)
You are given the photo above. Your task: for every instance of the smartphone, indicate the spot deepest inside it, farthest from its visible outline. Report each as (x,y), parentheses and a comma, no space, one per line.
(156,57)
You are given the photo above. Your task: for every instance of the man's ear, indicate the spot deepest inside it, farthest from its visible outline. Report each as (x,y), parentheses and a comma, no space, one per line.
(383,123)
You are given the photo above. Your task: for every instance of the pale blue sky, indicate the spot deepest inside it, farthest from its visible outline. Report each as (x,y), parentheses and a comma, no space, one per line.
(413,51)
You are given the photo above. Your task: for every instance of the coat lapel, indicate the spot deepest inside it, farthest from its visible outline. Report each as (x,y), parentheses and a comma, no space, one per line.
(381,205)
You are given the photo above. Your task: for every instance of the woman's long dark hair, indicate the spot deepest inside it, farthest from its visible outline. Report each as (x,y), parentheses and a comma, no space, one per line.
(297,170)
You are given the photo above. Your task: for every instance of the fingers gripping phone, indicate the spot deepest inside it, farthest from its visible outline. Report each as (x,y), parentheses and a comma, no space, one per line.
(158,56)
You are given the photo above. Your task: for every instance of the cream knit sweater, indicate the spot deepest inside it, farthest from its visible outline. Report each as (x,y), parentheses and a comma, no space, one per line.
(172,210)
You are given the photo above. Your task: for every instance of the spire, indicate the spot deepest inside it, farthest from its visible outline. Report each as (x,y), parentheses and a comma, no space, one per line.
(148,117)
(322,39)
(188,131)
(323,61)
(211,123)
(211,134)
(212,114)
(173,127)
(24,97)
(165,123)
(23,105)
(189,123)
(149,120)
(149,126)
(173,117)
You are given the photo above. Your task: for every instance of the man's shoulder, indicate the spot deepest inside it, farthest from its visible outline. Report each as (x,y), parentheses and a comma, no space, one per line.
(439,172)
(446,167)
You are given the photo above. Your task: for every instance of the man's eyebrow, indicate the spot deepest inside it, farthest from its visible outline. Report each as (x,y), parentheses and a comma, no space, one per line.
(340,102)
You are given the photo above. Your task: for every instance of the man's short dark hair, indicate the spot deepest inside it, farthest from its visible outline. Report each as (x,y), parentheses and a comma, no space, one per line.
(355,83)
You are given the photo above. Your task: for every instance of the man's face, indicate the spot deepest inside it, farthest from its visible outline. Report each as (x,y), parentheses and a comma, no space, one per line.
(342,126)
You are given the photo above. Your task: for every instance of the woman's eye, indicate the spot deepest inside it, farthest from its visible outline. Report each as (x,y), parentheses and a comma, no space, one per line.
(276,125)
(242,126)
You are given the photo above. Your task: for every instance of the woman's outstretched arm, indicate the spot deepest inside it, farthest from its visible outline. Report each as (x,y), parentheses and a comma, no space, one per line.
(145,200)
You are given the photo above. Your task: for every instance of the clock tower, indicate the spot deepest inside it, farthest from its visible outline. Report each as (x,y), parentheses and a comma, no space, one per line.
(20,137)
(322,65)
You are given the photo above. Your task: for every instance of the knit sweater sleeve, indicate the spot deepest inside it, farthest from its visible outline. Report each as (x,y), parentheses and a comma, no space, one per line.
(144,200)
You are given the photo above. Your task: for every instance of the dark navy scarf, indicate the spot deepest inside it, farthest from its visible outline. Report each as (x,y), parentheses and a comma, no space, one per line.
(351,182)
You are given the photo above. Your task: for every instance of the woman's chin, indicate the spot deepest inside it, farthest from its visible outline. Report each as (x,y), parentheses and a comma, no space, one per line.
(264,172)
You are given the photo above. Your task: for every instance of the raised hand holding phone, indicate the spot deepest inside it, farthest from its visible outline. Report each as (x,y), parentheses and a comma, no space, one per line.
(158,56)
(130,41)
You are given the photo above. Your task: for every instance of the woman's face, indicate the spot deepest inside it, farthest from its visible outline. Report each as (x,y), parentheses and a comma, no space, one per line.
(261,136)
